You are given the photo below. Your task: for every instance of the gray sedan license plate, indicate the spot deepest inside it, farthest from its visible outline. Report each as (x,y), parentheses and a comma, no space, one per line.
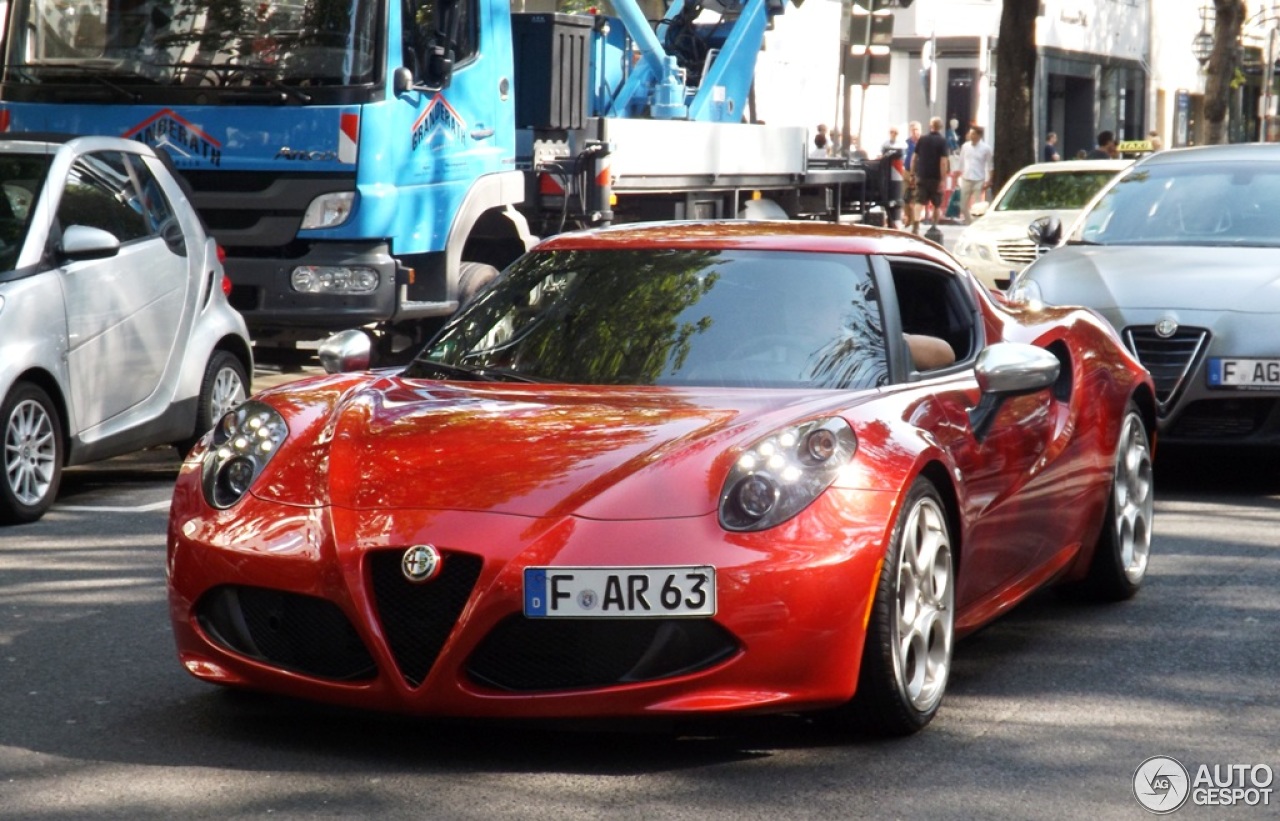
(1244,373)
(619,592)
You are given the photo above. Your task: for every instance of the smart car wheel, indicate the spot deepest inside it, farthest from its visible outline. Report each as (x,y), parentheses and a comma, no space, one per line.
(907,656)
(223,387)
(1120,558)
(32,454)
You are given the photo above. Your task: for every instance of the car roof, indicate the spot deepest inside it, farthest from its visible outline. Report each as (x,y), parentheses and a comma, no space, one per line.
(1239,152)
(762,235)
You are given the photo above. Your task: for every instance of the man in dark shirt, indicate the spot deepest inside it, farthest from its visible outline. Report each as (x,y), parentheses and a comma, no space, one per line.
(930,165)
(1107,148)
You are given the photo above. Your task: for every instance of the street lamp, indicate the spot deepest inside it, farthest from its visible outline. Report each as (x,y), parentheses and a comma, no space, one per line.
(1202,43)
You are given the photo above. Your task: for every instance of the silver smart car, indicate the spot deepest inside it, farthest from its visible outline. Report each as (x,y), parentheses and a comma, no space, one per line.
(115,331)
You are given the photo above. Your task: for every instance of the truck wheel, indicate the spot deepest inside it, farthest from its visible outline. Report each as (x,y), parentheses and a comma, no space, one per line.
(32,454)
(473,277)
(224,386)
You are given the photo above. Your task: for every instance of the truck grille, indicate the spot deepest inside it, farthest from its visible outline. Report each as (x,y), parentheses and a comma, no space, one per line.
(1169,359)
(417,618)
(304,634)
(530,655)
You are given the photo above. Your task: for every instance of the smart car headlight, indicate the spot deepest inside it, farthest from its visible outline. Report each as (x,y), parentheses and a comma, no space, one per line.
(781,474)
(241,444)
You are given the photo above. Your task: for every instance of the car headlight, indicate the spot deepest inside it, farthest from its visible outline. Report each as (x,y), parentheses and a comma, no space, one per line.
(1026,292)
(328,210)
(963,247)
(781,474)
(241,444)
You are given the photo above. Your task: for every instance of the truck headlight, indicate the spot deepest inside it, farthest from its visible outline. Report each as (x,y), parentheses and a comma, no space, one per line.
(240,446)
(781,474)
(334,279)
(328,210)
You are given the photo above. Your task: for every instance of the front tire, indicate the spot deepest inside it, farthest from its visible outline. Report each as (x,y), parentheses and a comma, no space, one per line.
(1124,546)
(224,386)
(906,659)
(33,453)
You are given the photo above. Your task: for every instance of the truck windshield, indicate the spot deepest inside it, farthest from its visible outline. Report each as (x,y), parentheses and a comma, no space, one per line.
(214,43)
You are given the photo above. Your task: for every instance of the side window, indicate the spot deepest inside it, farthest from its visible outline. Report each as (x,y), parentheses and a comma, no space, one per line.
(155,206)
(932,304)
(439,34)
(100,193)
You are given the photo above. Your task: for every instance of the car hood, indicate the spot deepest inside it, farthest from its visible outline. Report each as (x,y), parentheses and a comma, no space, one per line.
(1012,224)
(607,453)
(1245,280)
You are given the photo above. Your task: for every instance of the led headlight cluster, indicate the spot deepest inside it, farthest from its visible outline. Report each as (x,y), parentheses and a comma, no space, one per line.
(781,474)
(242,443)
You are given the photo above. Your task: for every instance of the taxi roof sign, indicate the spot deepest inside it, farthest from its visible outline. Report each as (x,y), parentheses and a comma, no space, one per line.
(1134,146)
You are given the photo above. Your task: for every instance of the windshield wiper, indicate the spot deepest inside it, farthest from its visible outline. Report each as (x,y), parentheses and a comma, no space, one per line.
(224,71)
(421,368)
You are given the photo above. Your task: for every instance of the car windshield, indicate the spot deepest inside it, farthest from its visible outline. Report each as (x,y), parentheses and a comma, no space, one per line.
(671,317)
(1188,203)
(194,42)
(22,178)
(1056,190)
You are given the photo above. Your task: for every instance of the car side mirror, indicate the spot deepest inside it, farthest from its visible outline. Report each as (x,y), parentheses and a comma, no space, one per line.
(81,242)
(1045,232)
(346,351)
(1005,370)
(978,209)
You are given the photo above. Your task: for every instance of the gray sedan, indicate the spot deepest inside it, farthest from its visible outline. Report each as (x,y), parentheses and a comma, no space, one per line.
(1181,253)
(114,323)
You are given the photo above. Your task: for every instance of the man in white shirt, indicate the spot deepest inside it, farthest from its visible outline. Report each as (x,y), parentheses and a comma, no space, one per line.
(975,171)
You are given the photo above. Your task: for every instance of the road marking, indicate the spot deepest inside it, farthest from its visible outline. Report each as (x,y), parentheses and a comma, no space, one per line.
(113,508)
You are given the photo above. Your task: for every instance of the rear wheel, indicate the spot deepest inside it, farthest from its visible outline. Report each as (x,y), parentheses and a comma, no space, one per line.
(1124,546)
(32,454)
(907,656)
(224,386)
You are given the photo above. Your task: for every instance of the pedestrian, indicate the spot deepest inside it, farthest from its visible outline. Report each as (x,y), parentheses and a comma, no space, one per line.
(953,136)
(976,169)
(930,165)
(1107,148)
(913,207)
(834,143)
(893,152)
(855,150)
(1051,147)
(819,150)
(1153,137)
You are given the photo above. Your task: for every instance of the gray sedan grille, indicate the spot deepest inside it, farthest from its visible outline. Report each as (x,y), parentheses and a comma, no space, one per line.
(1169,359)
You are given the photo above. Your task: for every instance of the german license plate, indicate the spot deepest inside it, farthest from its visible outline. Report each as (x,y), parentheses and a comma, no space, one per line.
(619,592)
(1244,373)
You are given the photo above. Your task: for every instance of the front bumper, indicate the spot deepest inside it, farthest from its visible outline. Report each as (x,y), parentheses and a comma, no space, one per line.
(323,614)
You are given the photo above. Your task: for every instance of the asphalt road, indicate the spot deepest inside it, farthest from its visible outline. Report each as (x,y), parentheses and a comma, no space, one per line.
(1050,710)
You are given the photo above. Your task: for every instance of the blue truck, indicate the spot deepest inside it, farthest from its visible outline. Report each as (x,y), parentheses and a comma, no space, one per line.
(374,162)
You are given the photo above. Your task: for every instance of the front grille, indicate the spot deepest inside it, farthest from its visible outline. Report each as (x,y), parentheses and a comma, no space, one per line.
(1017,251)
(530,655)
(1169,359)
(418,617)
(1216,419)
(304,634)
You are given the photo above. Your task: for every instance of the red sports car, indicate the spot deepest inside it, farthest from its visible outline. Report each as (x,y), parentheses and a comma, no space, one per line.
(665,470)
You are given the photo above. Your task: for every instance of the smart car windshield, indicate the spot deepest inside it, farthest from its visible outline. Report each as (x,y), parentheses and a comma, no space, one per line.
(672,317)
(189,43)
(1057,190)
(1190,203)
